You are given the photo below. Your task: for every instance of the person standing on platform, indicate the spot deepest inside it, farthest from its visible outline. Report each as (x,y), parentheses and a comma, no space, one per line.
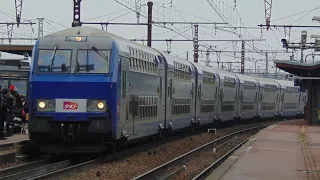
(2,115)
(9,103)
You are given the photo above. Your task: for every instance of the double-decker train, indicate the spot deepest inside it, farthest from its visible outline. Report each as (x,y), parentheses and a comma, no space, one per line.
(90,90)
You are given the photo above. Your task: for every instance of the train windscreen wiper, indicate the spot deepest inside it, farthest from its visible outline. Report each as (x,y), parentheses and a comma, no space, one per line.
(53,55)
(100,54)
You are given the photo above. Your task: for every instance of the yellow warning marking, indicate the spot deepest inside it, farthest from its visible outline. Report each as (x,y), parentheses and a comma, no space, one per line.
(233,157)
(272,126)
(303,130)
(249,148)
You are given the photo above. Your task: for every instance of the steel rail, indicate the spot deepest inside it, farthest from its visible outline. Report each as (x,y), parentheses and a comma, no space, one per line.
(28,174)
(23,167)
(214,165)
(84,165)
(155,170)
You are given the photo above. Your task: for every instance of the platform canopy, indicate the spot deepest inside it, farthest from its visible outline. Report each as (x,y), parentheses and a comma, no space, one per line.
(17,49)
(298,68)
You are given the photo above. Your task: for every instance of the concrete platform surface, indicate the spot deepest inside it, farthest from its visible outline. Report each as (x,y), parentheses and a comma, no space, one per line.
(14,139)
(288,150)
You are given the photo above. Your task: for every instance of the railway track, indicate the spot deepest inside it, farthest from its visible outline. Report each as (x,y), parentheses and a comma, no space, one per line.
(36,170)
(197,163)
(32,170)
(69,168)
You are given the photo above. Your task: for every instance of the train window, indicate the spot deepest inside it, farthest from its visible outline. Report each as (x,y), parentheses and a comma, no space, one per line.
(152,70)
(148,67)
(148,57)
(130,51)
(93,61)
(180,106)
(142,107)
(140,65)
(140,55)
(134,53)
(60,63)
(137,64)
(145,57)
(144,66)
(131,62)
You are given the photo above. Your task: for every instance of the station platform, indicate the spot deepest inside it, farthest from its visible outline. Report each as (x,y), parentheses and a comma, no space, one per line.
(13,146)
(287,150)
(14,139)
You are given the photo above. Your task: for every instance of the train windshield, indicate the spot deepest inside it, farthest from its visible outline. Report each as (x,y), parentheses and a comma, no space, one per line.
(54,61)
(93,61)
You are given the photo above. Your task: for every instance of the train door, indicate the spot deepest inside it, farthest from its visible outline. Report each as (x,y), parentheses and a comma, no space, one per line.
(300,105)
(193,105)
(281,100)
(161,103)
(169,104)
(239,97)
(301,102)
(198,100)
(278,101)
(216,95)
(127,114)
(259,99)
(220,97)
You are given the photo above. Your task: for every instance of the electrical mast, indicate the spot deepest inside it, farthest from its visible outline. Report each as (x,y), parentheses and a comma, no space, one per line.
(268,7)
(18,5)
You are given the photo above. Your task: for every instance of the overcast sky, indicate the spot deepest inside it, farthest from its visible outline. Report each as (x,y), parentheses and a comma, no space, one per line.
(58,15)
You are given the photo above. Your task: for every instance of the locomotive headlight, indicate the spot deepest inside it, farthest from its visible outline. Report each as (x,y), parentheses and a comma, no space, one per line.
(42,104)
(100,105)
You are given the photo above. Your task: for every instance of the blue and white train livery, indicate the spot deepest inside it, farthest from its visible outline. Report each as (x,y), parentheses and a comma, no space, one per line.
(89,89)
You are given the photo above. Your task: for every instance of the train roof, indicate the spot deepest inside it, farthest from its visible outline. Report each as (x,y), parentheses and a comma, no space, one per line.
(265,81)
(243,78)
(124,45)
(98,33)
(223,73)
(171,59)
(286,84)
(200,68)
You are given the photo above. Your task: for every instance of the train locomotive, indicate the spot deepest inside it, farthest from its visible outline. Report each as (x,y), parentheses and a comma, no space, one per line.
(90,90)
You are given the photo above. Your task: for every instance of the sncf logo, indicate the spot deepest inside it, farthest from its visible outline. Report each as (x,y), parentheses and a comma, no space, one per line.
(70,105)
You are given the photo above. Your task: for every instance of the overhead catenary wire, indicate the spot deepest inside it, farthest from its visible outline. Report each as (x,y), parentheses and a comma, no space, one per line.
(308,12)
(53,24)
